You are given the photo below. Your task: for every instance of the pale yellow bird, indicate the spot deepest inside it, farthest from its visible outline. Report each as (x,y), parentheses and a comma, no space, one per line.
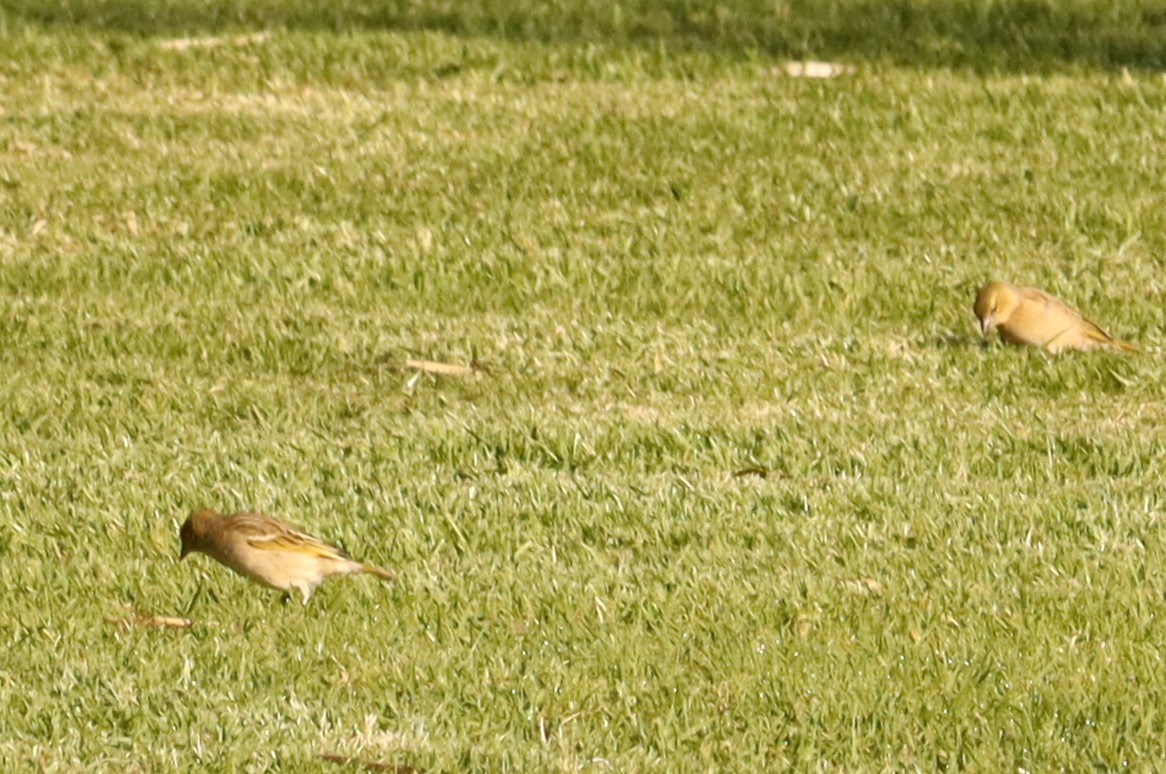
(268,551)
(1028,316)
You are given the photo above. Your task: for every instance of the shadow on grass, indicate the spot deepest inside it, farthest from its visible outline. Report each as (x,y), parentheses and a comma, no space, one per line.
(985,34)
(960,341)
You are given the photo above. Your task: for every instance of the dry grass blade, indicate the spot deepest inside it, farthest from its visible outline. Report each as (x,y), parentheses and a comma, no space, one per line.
(443,369)
(182,44)
(155,621)
(812,69)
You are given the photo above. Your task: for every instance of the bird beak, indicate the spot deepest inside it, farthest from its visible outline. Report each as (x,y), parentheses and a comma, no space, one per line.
(986,325)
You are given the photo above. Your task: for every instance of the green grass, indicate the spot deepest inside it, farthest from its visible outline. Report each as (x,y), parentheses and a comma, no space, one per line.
(678,269)
(980,33)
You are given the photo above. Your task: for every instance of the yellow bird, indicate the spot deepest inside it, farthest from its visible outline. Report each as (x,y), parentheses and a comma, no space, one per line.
(1028,316)
(268,551)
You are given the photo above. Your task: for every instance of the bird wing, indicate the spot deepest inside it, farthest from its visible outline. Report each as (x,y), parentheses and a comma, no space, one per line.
(1086,327)
(299,543)
(267,534)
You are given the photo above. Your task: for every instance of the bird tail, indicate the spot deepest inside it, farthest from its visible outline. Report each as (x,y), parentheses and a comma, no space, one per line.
(372,569)
(1096,333)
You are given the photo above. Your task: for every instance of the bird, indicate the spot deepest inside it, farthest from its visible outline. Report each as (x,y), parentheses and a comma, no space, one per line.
(268,551)
(1027,316)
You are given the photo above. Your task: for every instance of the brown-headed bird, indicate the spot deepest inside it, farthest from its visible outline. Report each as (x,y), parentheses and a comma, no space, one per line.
(1032,317)
(268,551)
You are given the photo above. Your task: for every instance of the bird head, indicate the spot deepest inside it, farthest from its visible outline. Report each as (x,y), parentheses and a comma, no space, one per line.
(995,303)
(192,531)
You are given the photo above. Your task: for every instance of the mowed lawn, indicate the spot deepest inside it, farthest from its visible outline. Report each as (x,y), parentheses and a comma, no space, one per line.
(730,482)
